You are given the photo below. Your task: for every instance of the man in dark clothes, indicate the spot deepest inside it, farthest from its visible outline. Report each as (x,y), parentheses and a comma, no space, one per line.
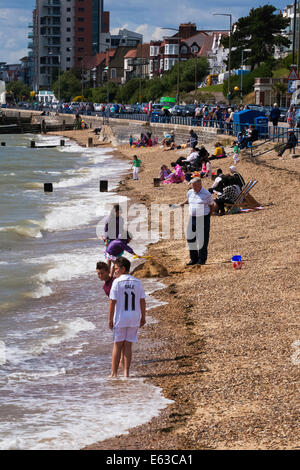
(291,143)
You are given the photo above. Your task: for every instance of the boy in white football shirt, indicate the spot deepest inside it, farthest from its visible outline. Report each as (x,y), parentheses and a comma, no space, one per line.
(127,313)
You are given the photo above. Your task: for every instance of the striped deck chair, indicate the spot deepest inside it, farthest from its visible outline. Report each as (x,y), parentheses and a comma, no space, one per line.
(244,199)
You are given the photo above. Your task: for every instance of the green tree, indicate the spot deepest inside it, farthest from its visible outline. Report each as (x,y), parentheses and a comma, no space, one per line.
(70,86)
(261,31)
(248,80)
(18,90)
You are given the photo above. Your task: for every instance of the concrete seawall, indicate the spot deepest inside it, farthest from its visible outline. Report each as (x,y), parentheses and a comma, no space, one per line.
(116,131)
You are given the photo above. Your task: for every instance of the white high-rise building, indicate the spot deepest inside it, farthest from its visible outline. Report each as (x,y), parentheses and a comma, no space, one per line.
(64,33)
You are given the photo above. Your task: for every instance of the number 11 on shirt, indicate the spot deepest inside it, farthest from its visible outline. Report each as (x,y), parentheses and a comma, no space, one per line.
(132,301)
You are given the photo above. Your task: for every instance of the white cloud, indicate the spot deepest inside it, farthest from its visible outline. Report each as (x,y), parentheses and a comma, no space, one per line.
(13,33)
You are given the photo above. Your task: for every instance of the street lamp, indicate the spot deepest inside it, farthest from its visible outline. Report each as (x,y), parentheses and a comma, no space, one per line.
(178,74)
(229,56)
(242,63)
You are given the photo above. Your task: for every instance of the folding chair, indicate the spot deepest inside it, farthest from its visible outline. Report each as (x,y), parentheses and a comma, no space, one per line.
(242,197)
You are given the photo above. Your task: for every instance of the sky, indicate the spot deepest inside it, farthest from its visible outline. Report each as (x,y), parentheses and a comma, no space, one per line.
(146,17)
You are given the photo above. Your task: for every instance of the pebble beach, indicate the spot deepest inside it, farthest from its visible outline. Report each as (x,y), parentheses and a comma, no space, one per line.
(224,348)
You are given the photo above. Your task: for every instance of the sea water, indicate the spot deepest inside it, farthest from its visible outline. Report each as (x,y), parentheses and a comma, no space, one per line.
(55,346)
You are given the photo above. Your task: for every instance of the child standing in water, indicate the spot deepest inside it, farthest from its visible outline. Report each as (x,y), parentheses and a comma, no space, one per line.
(136,164)
(127,313)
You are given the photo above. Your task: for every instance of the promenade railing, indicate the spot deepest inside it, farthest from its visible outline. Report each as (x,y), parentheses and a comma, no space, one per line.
(265,131)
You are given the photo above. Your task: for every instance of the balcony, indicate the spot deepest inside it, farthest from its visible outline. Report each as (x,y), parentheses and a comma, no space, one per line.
(30,45)
(30,36)
(52,12)
(51,4)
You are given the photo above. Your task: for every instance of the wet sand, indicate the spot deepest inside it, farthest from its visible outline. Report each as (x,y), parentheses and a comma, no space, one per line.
(224,346)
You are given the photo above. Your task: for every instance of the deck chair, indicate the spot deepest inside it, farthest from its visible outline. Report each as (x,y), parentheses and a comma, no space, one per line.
(244,198)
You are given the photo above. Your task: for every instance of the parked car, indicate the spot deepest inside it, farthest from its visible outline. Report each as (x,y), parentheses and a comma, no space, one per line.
(129,109)
(189,110)
(283,112)
(177,110)
(98,107)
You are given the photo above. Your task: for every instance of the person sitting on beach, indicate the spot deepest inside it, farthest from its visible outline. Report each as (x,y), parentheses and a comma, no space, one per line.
(103,274)
(127,313)
(164,172)
(116,248)
(230,194)
(219,152)
(193,140)
(192,157)
(239,180)
(177,176)
(217,185)
(149,143)
(169,140)
(206,168)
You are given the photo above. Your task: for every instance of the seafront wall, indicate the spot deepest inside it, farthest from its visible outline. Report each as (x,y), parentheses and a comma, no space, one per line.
(115,130)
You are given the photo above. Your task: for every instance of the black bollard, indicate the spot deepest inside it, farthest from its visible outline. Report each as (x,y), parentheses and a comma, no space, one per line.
(3,144)
(48,187)
(32,144)
(156,182)
(103,186)
(62,143)
(90,142)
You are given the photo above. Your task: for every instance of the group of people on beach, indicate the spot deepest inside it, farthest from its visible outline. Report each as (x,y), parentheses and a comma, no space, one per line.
(127,306)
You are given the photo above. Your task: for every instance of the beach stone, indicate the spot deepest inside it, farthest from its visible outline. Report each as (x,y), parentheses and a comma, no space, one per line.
(150,268)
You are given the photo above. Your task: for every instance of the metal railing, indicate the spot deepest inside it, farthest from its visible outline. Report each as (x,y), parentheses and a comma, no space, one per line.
(265,131)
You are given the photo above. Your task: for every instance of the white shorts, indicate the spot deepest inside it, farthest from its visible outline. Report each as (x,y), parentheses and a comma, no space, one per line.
(135,172)
(129,333)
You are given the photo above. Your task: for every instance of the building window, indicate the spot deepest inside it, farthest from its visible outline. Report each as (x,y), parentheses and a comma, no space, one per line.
(68,39)
(68,59)
(184,50)
(80,30)
(68,30)
(80,19)
(154,50)
(113,73)
(80,39)
(171,49)
(68,10)
(81,10)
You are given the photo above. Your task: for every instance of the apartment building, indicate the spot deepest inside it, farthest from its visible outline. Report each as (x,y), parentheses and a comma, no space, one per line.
(64,32)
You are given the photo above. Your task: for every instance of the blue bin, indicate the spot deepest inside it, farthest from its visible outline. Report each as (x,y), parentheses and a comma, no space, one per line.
(261,124)
(245,118)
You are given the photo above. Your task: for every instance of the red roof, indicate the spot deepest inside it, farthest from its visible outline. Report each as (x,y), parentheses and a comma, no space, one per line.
(131,54)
